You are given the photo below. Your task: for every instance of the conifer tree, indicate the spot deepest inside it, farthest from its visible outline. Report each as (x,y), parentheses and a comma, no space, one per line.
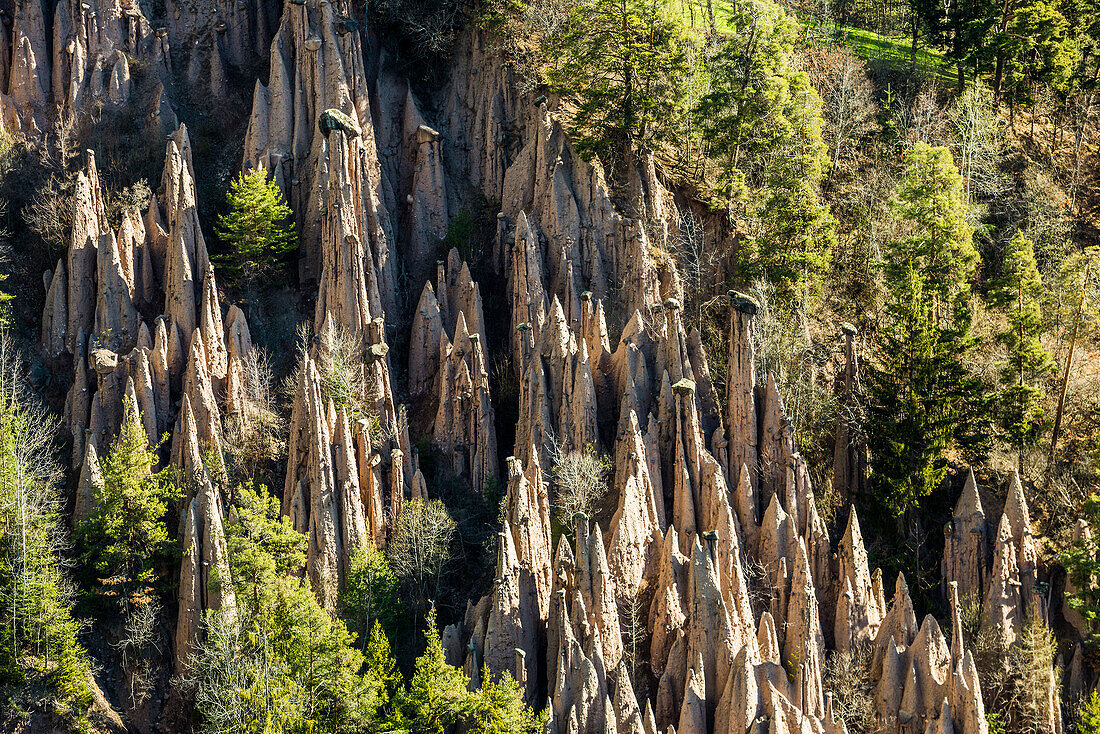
(371,595)
(761,118)
(497,708)
(742,115)
(910,403)
(938,242)
(126,532)
(382,679)
(1018,294)
(38,635)
(922,395)
(282,663)
(799,232)
(1082,563)
(623,62)
(262,543)
(436,694)
(257,228)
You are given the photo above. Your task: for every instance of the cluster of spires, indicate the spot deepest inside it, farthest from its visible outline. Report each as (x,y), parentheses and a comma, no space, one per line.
(715,543)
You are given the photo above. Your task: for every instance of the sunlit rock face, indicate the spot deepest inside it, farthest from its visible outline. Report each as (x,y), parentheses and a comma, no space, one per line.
(706,571)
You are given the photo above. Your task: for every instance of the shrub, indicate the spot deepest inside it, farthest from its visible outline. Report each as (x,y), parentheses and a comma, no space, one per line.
(848,678)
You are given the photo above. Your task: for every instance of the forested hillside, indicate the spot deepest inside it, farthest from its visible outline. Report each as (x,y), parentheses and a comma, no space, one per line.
(550,366)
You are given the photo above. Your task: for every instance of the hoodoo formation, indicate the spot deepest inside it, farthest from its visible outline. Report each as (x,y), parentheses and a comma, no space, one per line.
(665,543)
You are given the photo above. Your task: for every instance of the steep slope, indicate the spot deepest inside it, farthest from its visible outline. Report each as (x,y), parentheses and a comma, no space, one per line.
(704,494)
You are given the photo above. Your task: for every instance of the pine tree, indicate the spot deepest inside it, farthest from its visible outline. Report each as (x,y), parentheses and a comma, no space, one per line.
(497,708)
(799,231)
(382,681)
(371,595)
(436,695)
(923,397)
(939,243)
(126,532)
(1082,563)
(38,635)
(910,408)
(1018,295)
(1088,721)
(1034,49)
(283,663)
(742,115)
(262,543)
(761,119)
(623,62)
(257,229)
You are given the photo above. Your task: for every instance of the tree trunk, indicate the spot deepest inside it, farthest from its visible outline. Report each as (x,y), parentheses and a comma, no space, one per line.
(913,43)
(1054,434)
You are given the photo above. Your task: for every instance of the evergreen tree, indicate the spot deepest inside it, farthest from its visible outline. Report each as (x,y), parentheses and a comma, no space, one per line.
(1022,44)
(911,408)
(38,635)
(126,533)
(742,116)
(257,229)
(282,664)
(799,232)
(623,62)
(938,243)
(318,654)
(1018,294)
(1035,50)
(1082,563)
(262,543)
(497,708)
(436,695)
(761,119)
(1088,721)
(922,395)
(926,21)
(382,679)
(371,595)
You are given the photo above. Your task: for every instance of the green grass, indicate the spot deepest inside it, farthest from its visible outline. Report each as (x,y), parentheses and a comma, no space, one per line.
(896,52)
(868,45)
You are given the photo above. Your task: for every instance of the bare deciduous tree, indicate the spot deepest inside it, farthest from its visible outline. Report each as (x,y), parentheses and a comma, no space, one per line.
(847,98)
(419,547)
(921,119)
(786,351)
(632,623)
(256,436)
(49,213)
(848,677)
(235,674)
(697,261)
(579,481)
(978,141)
(141,633)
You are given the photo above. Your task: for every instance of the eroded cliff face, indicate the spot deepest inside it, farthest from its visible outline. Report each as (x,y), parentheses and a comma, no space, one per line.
(59,57)
(715,543)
